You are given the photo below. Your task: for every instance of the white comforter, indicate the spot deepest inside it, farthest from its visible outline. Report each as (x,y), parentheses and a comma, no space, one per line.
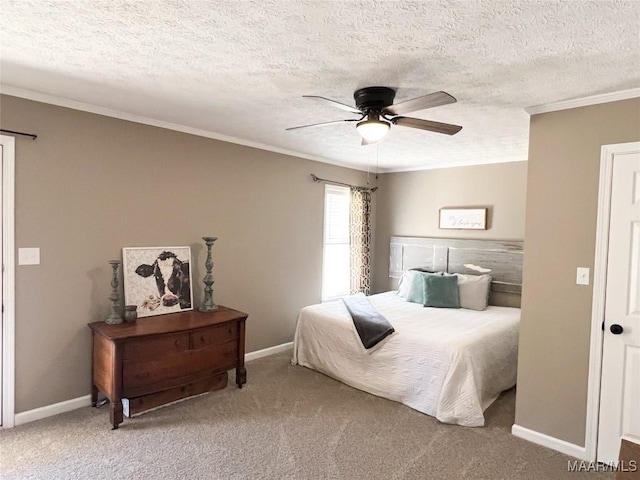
(448,363)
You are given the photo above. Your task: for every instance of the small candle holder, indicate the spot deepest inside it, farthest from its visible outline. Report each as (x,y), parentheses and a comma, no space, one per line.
(130,313)
(208,304)
(114,317)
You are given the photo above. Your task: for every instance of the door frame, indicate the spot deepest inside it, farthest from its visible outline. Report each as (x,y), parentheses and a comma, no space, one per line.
(608,153)
(8,284)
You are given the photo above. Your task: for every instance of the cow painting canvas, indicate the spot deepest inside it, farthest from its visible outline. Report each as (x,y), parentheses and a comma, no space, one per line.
(157,279)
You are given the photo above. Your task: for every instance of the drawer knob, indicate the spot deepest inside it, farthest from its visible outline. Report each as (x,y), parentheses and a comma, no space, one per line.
(202,338)
(177,342)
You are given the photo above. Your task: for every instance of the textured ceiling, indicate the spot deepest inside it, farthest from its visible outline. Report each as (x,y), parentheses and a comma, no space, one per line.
(239,68)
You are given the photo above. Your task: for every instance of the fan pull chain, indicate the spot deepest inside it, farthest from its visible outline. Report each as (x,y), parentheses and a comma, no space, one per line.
(368,163)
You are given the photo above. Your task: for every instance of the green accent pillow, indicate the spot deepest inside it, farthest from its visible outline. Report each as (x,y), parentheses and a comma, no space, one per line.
(416,289)
(441,292)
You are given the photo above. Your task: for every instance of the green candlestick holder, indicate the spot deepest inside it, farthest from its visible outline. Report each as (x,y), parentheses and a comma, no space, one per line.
(208,304)
(114,317)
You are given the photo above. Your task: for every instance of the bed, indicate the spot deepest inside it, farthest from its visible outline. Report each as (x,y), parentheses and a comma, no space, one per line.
(447,363)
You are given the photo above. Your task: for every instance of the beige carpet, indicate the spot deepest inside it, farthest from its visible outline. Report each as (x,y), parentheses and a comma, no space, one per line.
(288,422)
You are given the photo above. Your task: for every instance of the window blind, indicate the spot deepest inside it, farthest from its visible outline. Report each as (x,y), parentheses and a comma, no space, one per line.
(336,266)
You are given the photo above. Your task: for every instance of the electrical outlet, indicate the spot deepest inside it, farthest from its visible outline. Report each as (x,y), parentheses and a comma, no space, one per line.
(28,256)
(582,276)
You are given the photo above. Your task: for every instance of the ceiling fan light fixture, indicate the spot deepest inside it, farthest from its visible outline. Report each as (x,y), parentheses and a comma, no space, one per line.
(373,130)
(376,102)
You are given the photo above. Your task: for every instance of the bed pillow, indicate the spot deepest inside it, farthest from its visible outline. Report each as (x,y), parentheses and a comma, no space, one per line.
(416,289)
(474,291)
(423,270)
(441,291)
(405,283)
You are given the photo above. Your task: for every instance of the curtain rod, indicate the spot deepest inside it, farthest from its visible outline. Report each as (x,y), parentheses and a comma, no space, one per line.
(319,180)
(32,135)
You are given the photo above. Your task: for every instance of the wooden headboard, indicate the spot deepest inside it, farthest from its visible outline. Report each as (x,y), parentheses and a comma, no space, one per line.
(501,259)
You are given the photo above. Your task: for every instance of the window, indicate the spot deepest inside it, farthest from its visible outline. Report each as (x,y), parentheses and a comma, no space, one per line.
(336,267)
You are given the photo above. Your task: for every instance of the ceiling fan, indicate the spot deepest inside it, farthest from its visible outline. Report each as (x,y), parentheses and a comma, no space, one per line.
(375,104)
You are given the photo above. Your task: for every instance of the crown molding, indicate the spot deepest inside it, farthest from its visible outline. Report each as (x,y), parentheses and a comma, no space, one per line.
(108,112)
(440,167)
(583,102)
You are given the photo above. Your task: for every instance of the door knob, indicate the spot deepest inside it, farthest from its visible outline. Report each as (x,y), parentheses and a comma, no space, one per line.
(616,329)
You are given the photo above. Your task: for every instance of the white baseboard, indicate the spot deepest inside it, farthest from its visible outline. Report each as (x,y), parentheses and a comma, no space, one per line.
(50,410)
(550,442)
(265,352)
(80,402)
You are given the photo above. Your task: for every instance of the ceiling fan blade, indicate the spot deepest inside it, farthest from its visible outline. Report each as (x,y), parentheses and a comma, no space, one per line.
(430,125)
(339,105)
(420,103)
(321,124)
(368,142)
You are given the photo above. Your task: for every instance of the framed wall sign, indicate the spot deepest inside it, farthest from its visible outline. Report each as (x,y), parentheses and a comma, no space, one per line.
(463,218)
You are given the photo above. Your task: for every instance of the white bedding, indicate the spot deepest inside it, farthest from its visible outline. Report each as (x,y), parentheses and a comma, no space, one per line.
(448,363)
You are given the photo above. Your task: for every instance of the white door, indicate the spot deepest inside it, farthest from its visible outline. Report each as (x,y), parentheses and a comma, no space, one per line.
(1,278)
(7,282)
(620,385)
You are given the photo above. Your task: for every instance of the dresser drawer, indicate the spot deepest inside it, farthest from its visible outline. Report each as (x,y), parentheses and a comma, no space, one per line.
(157,346)
(217,335)
(218,357)
(152,400)
(140,373)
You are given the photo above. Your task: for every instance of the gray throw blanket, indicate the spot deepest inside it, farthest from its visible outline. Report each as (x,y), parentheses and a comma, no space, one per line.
(370,324)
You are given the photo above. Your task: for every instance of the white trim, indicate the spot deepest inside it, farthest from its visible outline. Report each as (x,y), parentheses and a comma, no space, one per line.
(631,439)
(598,303)
(107,112)
(50,410)
(607,154)
(8,284)
(265,352)
(549,442)
(85,401)
(131,117)
(583,102)
(470,163)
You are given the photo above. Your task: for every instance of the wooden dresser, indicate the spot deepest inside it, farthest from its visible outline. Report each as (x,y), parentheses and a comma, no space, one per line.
(163,358)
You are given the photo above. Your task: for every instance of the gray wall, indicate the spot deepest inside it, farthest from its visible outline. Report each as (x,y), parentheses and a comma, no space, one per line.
(408,204)
(562,196)
(90,185)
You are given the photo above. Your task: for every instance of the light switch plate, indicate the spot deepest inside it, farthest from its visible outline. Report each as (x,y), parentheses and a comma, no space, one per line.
(582,276)
(28,256)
